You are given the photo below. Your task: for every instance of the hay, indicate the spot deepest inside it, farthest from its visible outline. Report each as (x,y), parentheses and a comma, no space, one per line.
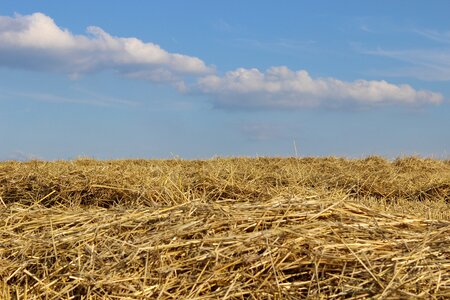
(224,228)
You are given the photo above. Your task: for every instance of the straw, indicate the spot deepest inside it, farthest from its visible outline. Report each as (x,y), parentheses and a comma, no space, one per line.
(225,228)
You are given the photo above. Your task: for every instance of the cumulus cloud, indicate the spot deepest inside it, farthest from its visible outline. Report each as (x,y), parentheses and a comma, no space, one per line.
(35,42)
(280,87)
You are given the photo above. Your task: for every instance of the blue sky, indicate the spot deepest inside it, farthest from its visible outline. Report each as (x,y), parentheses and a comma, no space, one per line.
(197,79)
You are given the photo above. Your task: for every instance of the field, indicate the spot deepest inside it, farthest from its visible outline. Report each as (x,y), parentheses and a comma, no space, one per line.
(228,228)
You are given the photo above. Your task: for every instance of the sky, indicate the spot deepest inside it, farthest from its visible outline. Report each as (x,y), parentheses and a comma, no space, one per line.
(201,79)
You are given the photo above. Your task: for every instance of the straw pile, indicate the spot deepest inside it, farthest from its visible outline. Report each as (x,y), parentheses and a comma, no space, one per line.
(225,228)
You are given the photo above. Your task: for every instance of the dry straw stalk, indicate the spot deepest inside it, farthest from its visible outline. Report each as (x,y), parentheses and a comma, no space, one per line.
(225,228)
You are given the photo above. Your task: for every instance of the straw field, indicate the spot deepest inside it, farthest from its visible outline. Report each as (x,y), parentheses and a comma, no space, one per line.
(235,228)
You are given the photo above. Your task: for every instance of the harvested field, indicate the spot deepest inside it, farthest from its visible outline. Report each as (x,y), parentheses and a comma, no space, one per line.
(237,228)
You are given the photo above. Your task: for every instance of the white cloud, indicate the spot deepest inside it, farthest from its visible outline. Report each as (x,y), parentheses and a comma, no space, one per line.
(35,42)
(279,87)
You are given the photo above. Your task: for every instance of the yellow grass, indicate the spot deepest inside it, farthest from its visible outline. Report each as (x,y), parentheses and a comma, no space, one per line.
(262,228)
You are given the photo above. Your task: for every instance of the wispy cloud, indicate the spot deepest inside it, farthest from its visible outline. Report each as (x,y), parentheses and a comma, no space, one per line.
(366,28)
(20,156)
(280,87)
(35,42)
(431,63)
(260,131)
(441,37)
(105,100)
(282,45)
(85,97)
(222,25)
(425,64)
